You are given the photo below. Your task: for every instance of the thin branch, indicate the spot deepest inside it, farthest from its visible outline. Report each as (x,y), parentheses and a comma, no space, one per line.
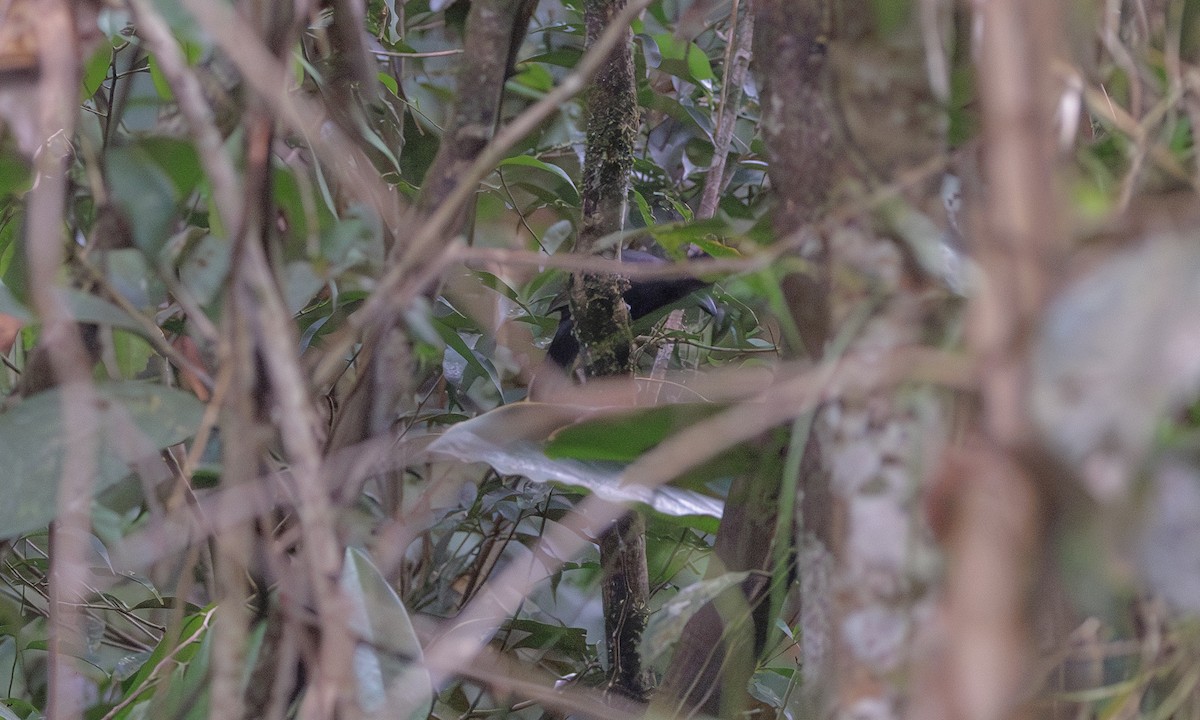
(45,243)
(737,63)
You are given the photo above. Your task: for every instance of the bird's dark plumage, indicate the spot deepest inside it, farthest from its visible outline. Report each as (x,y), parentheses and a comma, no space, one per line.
(643,297)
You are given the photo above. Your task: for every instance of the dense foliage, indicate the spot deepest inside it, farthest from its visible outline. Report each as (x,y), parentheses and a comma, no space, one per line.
(280,439)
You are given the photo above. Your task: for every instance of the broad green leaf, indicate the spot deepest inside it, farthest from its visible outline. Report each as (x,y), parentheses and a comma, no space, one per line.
(177,158)
(626,436)
(387,662)
(667,625)
(510,439)
(15,176)
(567,57)
(528,633)
(149,181)
(455,342)
(205,266)
(389,82)
(536,78)
(161,86)
(84,307)
(676,236)
(643,208)
(133,354)
(135,420)
(96,69)
(683,59)
(650,50)
(182,648)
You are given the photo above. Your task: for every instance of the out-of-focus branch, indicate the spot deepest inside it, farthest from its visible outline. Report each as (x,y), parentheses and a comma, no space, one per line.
(1000,510)
(44,247)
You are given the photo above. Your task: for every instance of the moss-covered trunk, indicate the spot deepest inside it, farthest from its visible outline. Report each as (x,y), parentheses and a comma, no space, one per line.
(602,326)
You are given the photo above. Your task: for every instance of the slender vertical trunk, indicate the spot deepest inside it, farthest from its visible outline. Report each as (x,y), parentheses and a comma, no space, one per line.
(602,326)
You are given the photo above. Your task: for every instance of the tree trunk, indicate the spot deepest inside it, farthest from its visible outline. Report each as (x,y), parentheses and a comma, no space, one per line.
(602,327)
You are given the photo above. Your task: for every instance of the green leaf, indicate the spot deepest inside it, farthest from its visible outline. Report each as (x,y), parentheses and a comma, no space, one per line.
(135,420)
(683,59)
(706,234)
(205,266)
(15,177)
(96,70)
(510,439)
(149,180)
(161,86)
(389,82)
(387,661)
(532,162)
(626,436)
(84,307)
(455,342)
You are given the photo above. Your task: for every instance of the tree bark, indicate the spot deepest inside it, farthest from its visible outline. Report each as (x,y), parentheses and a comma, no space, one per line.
(717,652)
(603,328)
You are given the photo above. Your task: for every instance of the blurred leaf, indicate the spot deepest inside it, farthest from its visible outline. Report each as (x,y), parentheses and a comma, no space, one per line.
(683,59)
(387,662)
(389,82)
(84,307)
(182,649)
(205,266)
(1169,536)
(149,180)
(15,176)
(134,421)
(96,69)
(455,342)
(133,354)
(526,633)
(667,625)
(510,439)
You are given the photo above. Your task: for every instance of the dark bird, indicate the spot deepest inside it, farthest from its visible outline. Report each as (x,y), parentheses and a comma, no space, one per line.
(643,297)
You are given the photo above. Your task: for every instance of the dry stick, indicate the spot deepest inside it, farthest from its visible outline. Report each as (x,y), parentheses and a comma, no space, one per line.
(229,208)
(297,427)
(57,94)
(987,662)
(392,293)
